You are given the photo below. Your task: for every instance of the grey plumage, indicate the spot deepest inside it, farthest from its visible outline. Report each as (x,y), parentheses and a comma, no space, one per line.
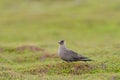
(69,55)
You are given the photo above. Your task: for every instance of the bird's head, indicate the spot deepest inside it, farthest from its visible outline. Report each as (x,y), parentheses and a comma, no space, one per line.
(61,42)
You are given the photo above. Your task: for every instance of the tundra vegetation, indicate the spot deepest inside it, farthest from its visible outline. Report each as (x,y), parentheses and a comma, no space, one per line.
(30,30)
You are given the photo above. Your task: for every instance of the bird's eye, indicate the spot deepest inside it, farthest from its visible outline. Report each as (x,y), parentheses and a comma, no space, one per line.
(62,41)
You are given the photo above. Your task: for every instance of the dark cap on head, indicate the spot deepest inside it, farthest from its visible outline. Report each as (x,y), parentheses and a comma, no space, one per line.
(61,42)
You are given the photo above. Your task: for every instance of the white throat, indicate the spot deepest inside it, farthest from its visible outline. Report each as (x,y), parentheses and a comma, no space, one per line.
(62,46)
(61,49)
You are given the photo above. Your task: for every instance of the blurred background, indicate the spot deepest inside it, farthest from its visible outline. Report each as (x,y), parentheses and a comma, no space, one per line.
(30,31)
(82,23)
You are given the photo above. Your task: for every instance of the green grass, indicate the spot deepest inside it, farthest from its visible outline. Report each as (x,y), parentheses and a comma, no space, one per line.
(89,27)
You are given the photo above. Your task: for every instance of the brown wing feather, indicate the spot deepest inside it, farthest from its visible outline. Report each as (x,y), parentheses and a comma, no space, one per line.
(77,57)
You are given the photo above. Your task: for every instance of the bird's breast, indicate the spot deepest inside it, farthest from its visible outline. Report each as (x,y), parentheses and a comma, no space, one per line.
(61,52)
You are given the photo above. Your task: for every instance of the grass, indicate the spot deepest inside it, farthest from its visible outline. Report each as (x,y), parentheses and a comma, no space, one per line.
(30,30)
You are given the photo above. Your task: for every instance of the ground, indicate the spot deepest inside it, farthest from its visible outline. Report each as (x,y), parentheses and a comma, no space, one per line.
(30,31)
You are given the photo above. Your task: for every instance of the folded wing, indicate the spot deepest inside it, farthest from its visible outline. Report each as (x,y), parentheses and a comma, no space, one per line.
(76,57)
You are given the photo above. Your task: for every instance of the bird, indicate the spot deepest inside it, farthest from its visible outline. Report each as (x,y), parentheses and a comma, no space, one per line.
(69,55)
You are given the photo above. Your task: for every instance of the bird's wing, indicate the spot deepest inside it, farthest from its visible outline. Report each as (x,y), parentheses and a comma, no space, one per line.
(74,54)
(71,55)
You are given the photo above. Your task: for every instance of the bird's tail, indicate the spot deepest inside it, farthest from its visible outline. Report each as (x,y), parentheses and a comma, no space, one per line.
(85,59)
